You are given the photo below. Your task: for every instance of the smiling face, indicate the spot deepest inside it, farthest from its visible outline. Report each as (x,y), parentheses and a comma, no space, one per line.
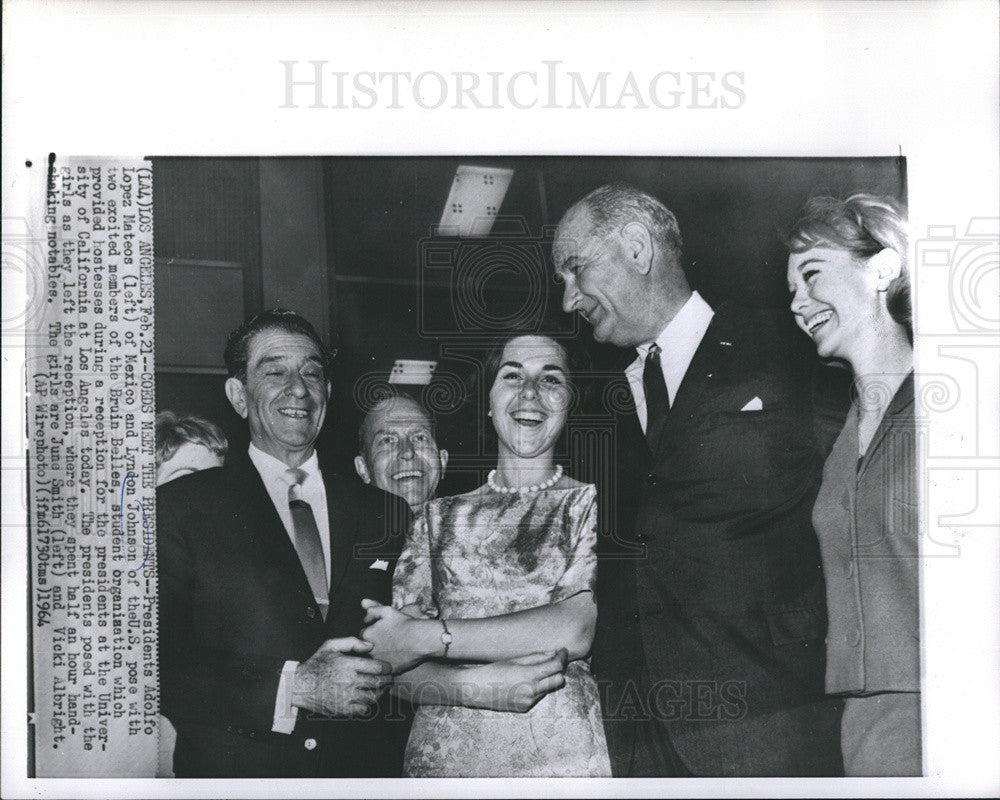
(835,299)
(599,283)
(400,454)
(284,396)
(529,397)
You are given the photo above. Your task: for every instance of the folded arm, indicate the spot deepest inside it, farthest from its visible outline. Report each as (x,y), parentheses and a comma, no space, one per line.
(511,685)
(404,641)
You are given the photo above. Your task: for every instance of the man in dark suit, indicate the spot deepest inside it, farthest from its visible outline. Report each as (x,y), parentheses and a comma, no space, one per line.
(262,567)
(710,640)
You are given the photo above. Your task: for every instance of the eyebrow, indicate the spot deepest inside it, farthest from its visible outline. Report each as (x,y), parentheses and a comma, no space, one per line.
(410,425)
(278,359)
(545,367)
(809,261)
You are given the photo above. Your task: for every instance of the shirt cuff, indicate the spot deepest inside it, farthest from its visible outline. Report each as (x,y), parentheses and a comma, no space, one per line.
(285,714)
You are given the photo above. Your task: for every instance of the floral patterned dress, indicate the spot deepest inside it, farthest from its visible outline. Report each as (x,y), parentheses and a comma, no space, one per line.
(483,554)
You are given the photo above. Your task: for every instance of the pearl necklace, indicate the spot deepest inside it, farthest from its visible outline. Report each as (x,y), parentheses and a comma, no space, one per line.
(491,480)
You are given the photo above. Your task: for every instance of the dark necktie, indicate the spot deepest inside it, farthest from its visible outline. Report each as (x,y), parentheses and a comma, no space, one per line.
(657,397)
(307,541)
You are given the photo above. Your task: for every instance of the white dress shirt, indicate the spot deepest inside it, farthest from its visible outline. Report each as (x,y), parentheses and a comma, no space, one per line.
(272,473)
(678,343)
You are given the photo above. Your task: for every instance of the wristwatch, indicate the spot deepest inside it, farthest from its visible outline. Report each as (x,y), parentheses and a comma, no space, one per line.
(446,637)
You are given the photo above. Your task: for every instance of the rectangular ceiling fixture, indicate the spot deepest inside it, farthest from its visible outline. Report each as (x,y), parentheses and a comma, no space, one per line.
(474,201)
(409,372)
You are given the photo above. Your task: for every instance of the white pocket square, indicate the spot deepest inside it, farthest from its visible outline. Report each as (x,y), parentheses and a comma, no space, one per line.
(753,405)
(380,564)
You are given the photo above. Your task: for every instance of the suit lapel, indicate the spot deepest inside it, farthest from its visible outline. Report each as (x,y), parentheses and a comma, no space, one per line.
(263,526)
(629,432)
(343,528)
(703,373)
(707,370)
(902,400)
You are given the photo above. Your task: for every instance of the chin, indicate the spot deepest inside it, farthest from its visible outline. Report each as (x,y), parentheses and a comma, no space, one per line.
(826,349)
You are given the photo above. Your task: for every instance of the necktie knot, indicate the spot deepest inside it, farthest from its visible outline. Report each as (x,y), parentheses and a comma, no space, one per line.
(294,478)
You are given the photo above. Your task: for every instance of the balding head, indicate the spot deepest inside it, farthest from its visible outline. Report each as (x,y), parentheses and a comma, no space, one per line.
(398,451)
(618,250)
(613,206)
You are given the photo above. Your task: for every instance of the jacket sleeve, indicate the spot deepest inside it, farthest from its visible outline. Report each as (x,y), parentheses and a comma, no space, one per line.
(199,683)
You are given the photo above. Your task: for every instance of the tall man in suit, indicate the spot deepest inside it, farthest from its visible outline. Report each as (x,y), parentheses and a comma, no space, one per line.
(263,564)
(710,642)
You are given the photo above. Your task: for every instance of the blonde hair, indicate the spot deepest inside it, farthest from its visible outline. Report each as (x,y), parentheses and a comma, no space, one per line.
(863,225)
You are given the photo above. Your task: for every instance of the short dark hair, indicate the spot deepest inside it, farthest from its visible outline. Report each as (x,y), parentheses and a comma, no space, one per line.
(614,205)
(863,225)
(387,399)
(238,344)
(577,362)
(174,430)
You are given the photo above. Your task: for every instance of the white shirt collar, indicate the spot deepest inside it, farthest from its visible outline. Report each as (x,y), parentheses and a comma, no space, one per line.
(272,473)
(678,343)
(684,332)
(271,469)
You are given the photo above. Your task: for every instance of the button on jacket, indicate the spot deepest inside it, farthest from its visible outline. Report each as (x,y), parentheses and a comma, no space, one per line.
(866,520)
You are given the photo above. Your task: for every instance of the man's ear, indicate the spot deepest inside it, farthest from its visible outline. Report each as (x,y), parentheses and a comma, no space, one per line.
(443,454)
(887,264)
(361,467)
(638,246)
(237,394)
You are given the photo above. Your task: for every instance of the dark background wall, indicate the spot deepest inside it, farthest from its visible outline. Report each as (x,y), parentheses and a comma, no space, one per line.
(348,242)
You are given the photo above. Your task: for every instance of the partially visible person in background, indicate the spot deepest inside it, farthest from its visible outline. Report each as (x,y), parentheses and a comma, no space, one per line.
(851,294)
(186,444)
(398,451)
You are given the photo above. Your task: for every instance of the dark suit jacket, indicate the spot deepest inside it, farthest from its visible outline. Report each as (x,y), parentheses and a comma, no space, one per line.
(727,599)
(235,604)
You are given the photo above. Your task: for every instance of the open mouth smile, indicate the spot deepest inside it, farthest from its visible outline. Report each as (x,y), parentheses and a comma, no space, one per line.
(294,413)
(817,321)
(408,474)
(528,419)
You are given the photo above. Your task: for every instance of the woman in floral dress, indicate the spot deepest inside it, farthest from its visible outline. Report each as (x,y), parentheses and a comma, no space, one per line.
(501,573)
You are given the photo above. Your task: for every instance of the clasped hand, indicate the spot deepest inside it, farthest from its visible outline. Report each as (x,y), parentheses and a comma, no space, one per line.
(400,637)
(333,683)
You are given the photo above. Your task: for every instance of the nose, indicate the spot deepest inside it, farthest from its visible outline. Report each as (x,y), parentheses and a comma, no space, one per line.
(406,449)
(800,299)
(529,388)
(570,295)
(296,386)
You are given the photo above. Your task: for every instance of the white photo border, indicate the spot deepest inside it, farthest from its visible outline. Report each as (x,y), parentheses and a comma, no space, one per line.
(918,79)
